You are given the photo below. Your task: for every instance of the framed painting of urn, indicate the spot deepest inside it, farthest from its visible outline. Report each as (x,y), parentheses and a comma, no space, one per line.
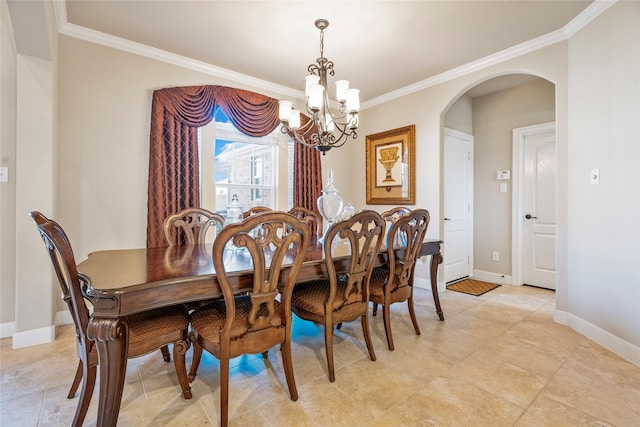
(391,167)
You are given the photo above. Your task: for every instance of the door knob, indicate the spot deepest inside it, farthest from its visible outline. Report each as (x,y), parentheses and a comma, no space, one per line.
(447,219)
(528,216)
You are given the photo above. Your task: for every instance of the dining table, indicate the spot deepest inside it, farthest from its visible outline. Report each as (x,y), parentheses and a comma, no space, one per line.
(127,281)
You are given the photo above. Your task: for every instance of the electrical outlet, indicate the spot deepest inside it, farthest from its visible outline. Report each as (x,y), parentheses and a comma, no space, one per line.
(495,256)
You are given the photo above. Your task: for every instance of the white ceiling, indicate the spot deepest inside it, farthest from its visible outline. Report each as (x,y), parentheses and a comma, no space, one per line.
(381,46)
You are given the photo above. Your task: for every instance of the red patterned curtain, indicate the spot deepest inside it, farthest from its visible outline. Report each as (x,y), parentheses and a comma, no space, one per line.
(176,115)
(307,174)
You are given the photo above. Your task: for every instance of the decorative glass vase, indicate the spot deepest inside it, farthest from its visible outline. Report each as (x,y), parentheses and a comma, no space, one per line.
(330,203)
(234,215)
(348,211)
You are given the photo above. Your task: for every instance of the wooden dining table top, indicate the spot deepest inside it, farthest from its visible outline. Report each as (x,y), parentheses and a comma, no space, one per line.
(126,281)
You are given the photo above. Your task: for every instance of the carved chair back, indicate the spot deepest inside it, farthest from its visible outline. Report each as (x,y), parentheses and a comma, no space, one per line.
(191,226)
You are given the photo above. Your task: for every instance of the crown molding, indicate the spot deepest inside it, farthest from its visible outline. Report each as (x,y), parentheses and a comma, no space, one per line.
(79,32)
(582,19)
(585,17)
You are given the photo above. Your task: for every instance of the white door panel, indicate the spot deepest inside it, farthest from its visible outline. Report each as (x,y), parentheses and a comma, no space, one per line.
(538,207)
(458,213)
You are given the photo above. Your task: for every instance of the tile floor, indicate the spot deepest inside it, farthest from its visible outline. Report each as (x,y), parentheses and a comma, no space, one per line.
(497,360)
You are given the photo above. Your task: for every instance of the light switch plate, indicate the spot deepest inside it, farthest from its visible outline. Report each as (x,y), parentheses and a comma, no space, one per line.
(595,176)
(4,174)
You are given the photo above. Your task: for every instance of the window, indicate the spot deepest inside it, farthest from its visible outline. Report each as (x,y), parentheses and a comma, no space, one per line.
(234,163)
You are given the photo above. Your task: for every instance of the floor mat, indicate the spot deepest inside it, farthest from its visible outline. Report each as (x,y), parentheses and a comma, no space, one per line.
(472,287)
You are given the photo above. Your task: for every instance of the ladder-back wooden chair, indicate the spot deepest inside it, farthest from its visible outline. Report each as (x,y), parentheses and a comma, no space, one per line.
(344,295)
(395,284)
(253,322)
(147,331)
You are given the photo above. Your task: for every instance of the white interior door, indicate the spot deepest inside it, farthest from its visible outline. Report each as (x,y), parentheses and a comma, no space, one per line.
(537,213)
(458,209)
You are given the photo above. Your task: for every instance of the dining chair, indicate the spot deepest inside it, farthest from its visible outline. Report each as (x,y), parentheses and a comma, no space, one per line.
(343,296)
(191,225)
(395,282)
(252,323)
(314,220)
(394,213)
(390,216)
(147,331)
(254,210)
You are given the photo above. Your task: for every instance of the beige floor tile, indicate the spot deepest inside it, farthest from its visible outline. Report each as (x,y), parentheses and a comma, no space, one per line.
(454,402)
(23,411)
(546,412)
(585,389)
(499,377)
(497,359)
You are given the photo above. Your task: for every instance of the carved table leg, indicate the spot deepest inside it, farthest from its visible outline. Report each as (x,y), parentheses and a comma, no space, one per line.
(112,340)
(436,259)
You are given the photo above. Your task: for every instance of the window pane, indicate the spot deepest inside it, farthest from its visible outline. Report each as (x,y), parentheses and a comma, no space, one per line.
(244,166)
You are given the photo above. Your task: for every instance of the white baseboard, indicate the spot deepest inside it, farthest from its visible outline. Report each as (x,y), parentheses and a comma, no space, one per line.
(34,337)
(6,329)
(488,276)
(617,345)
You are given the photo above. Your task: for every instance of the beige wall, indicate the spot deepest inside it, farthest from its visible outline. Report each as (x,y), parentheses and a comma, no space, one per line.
(460,115)
(103,118)
(7,159)
(604,220)
(103,162)
(494,117)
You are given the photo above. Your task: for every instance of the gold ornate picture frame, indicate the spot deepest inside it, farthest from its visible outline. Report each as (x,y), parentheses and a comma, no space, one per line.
(391,164)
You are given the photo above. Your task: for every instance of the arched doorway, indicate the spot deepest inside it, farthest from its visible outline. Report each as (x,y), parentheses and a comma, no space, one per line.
(489,111)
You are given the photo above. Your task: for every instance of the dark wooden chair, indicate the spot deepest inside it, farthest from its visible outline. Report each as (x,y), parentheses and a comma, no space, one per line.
(254,210)
(395,283)
(394,213)
(344,295)
(254,322)
(314,220)
(191,226)
(148,331)
(390,216)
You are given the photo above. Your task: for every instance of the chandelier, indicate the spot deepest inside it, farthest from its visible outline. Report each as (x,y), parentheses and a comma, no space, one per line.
(326,129)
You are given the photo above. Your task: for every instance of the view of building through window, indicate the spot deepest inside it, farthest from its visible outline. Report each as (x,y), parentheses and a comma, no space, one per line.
(242,165)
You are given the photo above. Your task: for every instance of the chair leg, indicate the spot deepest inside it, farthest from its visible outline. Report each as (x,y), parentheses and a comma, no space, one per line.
(165,353)
(195,361)
(386,316)
(412,313)
(76,381)
(328,343)
(179,350)
(367,335)
(265,354)
(86,391)
(375,308)
(287,362)
(224,391)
